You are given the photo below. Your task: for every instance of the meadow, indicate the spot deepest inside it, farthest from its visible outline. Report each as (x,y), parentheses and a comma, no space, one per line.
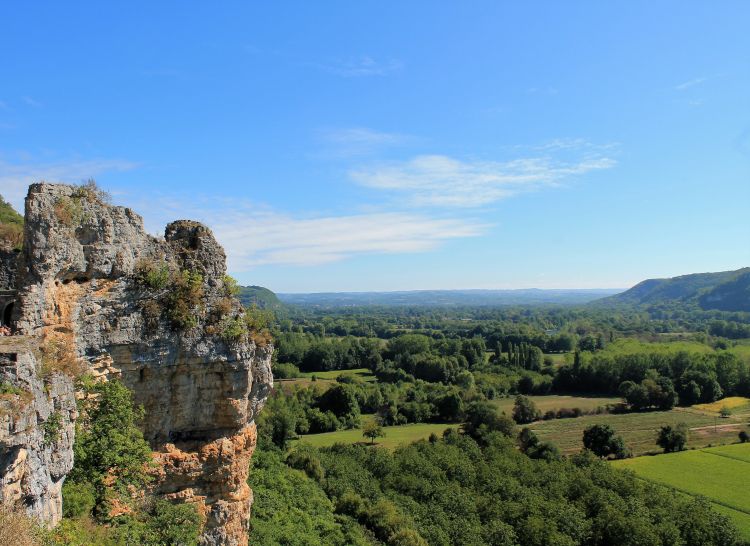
(736,404)
(721,474)
(324,379)
(361,373)
(394,436)
(639,430)
(555,402)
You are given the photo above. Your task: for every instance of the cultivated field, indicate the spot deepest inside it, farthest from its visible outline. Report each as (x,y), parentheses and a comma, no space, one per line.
(394,436)
(721,474)
(738,404)
(639,430)
(362,373)
(556,402)
(324,379)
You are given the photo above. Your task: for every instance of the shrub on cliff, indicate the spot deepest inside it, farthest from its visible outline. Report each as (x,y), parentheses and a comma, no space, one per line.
(59,356)
(110,451)
(185,299)
(151,273)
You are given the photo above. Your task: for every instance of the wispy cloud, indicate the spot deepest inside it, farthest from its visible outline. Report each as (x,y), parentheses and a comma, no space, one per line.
(31,101)
(273,238)
(15,178)
(690,83)
(441,181)
(254,234)
(574,144)
(363,66)
(550,91)
(354,141)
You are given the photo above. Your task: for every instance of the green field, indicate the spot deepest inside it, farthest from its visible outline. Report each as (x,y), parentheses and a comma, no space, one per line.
(721,474)
(741,452)
(324,379)
(558,359)
(556,402)
(639,430)
(362,373)
(394,436)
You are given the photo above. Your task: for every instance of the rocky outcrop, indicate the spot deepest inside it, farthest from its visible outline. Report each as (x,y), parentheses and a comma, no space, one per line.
(36,430)
(152,312)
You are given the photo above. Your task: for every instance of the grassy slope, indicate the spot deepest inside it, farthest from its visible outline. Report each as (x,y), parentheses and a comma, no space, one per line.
(8,214)
(639,430)
(721,474)
(11,225)
(734,403)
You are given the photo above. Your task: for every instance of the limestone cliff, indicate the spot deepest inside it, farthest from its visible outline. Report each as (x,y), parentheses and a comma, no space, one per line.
(154,313)
(37,418)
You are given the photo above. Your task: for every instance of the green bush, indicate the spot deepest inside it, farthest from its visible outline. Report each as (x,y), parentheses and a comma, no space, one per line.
(78,499)
(285,371)
(110,452)
(152,274)
(7,388)
(174,524)
(69,211)
(233,329)
(52,427)
(231,288)
(185,298)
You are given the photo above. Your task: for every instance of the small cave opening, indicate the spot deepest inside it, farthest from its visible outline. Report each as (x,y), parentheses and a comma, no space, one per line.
(8,314)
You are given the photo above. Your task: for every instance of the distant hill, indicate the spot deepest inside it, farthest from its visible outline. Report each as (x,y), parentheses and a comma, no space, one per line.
(724,291)
(262,297)
(455,298)
(732,295)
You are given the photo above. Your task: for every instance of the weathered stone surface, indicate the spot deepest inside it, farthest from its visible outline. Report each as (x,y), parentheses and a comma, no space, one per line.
(8,267)
(200,393)
(33,464)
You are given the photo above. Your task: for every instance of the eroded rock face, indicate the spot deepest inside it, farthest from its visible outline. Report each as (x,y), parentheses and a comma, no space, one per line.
(201,394)
(8,266)
(36,431)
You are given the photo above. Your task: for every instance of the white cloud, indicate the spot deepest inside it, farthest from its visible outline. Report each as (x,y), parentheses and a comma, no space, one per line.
(437,180)
(353,141)
(15,178)
(363,66)
(255,235)
(272,238)
(690,83)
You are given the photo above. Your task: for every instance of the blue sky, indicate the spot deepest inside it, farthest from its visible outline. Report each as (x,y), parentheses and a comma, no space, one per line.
(399,145)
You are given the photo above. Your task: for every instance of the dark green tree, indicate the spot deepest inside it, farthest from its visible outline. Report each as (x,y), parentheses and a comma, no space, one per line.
(672,439)
(525,411)
(603,442)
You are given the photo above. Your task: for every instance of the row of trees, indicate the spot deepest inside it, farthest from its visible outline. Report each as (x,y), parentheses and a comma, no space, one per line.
(695,376)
